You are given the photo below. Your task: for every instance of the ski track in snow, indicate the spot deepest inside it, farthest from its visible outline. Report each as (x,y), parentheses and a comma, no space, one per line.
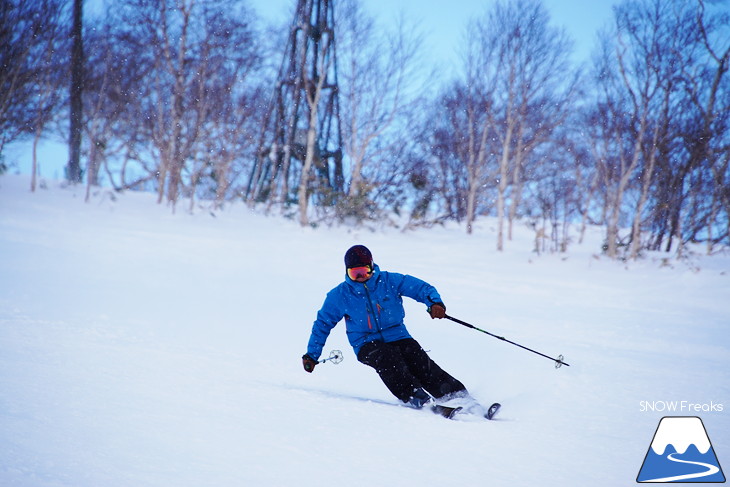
(711,470)
(144,348)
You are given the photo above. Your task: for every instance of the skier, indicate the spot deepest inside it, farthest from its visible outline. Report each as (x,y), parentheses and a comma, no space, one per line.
(370,301)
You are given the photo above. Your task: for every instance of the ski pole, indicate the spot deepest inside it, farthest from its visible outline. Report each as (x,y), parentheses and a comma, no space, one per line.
(558,361)
(335,356)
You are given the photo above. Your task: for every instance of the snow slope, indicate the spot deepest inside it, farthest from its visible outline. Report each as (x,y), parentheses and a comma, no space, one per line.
(141,348)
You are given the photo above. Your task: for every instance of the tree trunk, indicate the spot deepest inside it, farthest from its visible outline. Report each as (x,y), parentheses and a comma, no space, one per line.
(308,161)
(34,168)
(503,166)
(76,106)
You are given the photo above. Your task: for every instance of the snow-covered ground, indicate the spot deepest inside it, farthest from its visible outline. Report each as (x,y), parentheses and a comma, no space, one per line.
(141,348)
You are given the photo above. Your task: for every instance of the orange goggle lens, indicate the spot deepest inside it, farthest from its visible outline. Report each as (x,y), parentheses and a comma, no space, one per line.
(355,273)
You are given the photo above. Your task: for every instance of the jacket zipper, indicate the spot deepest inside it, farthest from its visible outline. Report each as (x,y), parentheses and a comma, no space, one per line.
(371,309)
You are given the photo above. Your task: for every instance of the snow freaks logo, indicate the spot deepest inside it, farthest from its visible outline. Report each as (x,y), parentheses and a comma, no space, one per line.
(680,407)
(680,452)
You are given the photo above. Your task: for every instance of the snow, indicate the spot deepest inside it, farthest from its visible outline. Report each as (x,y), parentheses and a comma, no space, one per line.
(681,432)
(144,348)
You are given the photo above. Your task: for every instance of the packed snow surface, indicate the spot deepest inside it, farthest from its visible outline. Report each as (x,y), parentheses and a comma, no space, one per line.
(144,348)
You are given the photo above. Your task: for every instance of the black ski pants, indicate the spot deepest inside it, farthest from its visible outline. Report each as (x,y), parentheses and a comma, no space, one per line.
(405,367)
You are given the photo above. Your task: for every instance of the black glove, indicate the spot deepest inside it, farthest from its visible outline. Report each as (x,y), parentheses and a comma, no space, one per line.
(309,363)
(437,310)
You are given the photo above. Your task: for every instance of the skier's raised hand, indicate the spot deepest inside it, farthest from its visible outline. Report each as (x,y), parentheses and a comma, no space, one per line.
(437,310)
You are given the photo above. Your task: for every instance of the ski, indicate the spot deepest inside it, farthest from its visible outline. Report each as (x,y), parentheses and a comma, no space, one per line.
(445,411)
(450,413)
(492,410)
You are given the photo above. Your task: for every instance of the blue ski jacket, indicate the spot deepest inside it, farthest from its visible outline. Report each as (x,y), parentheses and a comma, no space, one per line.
(373,310)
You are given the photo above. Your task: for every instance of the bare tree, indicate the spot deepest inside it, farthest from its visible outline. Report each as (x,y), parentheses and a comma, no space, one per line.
(647,47)
(536,92)
(184,68)
(462,141)
(652,123)
(47,99)
(115,84)
(626,108)
(100,111)
(708,145)
(313,86)
(302,122)
(478,134)
(230,139)
(517,73)
(76,87)
(30,40)
(376,70)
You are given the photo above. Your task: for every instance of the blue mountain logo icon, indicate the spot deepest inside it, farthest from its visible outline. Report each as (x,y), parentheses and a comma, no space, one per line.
(680,452)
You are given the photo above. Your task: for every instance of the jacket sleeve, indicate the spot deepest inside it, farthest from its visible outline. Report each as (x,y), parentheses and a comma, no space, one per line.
(327,317)
(418,289)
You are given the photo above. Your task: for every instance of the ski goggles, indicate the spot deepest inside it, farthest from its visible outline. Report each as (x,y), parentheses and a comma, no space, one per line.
(356,273)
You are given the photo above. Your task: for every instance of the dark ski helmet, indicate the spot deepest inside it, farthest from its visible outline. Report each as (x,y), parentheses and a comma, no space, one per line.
(358,256)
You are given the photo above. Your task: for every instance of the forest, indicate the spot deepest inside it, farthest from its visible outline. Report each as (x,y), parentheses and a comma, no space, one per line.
(334,118)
